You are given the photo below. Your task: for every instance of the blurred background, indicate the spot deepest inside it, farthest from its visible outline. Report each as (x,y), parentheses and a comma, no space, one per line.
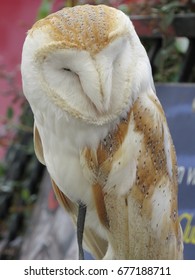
(32,225)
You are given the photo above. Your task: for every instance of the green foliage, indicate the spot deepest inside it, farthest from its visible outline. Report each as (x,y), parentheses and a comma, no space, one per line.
(45,8)
(10,113)
(167,63)
(2,169)
(166,11)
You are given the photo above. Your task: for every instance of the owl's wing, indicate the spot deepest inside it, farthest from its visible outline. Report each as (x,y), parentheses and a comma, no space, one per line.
(92,241)
(135,166)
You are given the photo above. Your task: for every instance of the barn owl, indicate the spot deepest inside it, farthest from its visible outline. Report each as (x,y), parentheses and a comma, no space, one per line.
(101,132)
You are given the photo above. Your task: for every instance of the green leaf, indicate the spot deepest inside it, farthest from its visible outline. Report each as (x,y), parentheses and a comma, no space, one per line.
(45,9)
(170,6)
(2,169)
(124,8)
(25,194)
(10,113)
(166,21)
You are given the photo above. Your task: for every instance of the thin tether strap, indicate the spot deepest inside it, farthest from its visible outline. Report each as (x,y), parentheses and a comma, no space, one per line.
(80,228)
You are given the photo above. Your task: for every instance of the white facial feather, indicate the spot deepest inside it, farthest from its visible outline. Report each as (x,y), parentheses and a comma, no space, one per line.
(91,90)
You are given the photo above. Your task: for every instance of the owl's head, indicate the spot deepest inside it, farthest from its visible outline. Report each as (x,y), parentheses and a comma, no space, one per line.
(86,60)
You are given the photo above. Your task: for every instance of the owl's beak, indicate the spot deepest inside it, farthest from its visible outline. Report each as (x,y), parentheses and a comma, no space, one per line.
(103,94)
(98,87)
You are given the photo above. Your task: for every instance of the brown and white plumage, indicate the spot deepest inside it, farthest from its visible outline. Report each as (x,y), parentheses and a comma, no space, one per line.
(102,133)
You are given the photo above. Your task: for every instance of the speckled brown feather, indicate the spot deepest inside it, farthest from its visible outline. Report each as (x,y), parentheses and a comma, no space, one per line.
(100,163)
(152,173)
(80,27)
(152,166)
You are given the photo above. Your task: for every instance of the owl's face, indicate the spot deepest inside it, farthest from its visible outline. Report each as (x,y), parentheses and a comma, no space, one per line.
(86,60)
